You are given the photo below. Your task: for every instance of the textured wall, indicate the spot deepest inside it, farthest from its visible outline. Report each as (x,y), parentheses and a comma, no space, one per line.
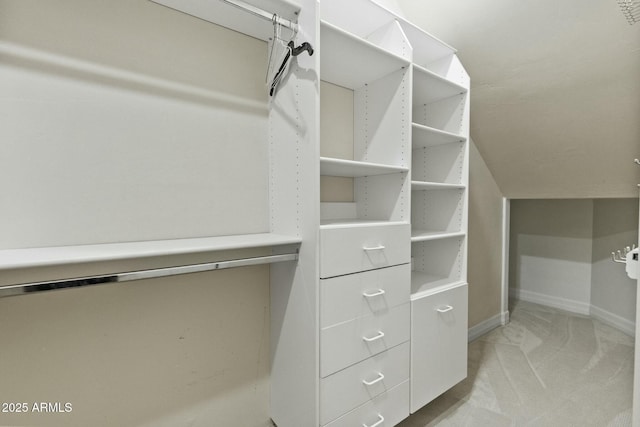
(550,251)
(485,241)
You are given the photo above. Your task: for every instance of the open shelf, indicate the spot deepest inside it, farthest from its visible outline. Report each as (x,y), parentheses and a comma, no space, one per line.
(424,284)
(354,169)
(421,185)
(352,62)
(418,235)
(356,222)
(429,87)
(40,257)
(425,136)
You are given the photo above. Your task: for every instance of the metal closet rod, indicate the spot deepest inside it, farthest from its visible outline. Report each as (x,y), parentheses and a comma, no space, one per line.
(260,13)
(146,274)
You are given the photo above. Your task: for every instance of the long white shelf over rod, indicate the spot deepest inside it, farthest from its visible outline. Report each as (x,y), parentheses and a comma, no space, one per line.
(426,235)
(352,62)
(425,136)
(354,169)
(252,17)
(430,87)
(40,257)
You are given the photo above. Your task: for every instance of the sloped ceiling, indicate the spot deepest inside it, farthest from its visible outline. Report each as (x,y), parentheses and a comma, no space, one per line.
(555,108)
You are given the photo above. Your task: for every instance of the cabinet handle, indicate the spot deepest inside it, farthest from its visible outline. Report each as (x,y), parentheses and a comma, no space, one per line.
(376,337)
(373,248)
(374,294)
(377,423)
(377,380)
(445,309)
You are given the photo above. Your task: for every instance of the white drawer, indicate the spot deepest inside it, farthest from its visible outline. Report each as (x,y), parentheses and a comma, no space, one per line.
(350,249)
(386,410)
(369,293)
(352,387)
(350,342)
(438,344)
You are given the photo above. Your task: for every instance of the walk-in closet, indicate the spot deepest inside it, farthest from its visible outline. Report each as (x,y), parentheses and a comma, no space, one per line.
(316,213)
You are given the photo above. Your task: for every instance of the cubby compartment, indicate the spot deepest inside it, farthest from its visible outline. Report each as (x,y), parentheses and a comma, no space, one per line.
(365,128)
(381,27)
(444,163)
(437,264)
(436,213)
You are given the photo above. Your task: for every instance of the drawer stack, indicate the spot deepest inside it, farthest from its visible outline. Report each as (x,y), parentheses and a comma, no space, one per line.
(364,321)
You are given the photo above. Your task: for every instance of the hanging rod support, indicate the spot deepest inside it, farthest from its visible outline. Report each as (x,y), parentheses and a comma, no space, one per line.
(260,13)
(144,274)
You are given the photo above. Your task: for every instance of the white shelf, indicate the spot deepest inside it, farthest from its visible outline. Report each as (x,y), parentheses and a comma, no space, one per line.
(421,185)
(423,284)
(234,18)
(352,62)
(427,235)
(39,257)
(426,47)
(356,222)
(354,169)
(425,136)
(430,87)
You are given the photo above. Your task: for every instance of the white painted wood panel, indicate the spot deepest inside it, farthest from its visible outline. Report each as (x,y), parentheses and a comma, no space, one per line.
(372,292)
(352,249)
(348,389)
(351,342)
(390,407)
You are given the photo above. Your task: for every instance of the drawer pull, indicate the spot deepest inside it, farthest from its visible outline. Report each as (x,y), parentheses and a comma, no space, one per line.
(373,248)
(379,335)
(377,380)
(374,294)
(444,309)
(377,423)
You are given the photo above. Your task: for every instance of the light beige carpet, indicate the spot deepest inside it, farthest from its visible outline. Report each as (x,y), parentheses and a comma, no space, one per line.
(546,368)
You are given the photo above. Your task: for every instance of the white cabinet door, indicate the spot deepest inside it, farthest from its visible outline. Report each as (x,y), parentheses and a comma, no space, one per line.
(438,344)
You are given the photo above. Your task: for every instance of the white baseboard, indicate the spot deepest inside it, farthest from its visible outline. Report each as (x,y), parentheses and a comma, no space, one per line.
(613,320)
(551,301)
(488,325)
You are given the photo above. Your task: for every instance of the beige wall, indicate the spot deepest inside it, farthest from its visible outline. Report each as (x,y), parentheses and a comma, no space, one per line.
(485,241)
(561,256)
(615,226)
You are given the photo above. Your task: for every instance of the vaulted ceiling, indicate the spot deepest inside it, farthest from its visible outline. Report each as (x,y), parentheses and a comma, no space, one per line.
(555,108)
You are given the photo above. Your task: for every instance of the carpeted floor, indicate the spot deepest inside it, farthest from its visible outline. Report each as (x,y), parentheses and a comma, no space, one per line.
(546,368)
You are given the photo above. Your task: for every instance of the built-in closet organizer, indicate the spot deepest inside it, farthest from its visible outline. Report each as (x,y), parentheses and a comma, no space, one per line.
(439,173)
(364,235)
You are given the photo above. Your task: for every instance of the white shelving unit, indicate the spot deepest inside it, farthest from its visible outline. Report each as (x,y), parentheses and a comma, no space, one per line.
(439,204)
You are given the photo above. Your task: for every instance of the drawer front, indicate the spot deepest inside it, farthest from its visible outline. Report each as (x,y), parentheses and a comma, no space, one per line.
(369,293)
(438,344)
(386,410)
(347,250)
(354,386)
(351,342)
